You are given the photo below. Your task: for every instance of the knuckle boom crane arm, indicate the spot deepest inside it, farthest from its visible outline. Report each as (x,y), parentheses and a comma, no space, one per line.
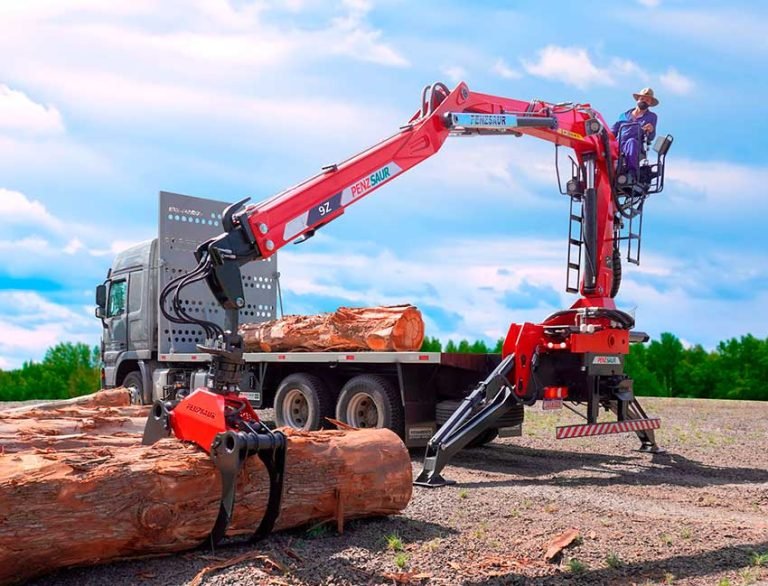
(537,357)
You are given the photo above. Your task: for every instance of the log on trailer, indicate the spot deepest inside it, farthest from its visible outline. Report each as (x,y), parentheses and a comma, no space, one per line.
(397,328)
(94,504)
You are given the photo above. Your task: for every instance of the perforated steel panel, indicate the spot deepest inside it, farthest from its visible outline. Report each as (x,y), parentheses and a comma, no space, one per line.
(184,223)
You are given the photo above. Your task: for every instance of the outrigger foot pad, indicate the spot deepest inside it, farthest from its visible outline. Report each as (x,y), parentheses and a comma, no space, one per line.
(432,481)
(651,449)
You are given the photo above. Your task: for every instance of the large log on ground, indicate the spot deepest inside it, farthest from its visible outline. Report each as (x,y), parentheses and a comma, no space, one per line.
(118,397)
(398,328)
(70,427)
(102,503)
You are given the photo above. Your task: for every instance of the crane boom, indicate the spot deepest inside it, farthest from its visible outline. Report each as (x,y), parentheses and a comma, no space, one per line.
(261,229)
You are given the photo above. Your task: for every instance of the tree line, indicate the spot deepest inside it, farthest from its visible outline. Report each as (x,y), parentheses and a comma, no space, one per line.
(735,369)
(67,370)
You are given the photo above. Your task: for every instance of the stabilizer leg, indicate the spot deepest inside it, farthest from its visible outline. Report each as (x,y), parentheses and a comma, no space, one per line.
(633,410)
(464,425)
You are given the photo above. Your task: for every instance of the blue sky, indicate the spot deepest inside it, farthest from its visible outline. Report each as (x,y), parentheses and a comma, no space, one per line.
(104,104)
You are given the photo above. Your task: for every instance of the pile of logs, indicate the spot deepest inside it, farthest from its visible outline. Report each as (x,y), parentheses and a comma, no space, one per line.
(77,487)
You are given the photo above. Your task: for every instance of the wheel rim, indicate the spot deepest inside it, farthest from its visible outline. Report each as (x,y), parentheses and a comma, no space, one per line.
(296,409)
(362,411)
(136,398)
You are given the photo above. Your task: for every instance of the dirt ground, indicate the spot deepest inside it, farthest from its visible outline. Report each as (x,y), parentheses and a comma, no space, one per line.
(696,515)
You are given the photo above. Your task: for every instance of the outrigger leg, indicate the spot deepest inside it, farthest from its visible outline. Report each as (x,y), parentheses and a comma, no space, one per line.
(477,412)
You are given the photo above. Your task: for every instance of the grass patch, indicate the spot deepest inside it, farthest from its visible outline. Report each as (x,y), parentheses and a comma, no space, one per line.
(401,560)
(394,542)
(318,531)
(758,560)
(576,566)
(463,493)
(612,560)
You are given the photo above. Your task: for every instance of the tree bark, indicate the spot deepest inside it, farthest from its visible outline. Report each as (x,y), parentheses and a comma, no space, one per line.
(102,502)
(70,427)
(393,328)
(118,397)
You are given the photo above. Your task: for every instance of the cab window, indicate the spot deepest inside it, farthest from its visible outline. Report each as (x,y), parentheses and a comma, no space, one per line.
(116,304)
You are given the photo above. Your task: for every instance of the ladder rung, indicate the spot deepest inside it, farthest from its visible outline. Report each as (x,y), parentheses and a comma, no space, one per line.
(574,241)
(573,265)
(576,218)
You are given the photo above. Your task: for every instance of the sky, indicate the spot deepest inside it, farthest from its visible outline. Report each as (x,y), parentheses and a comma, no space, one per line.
(104,104)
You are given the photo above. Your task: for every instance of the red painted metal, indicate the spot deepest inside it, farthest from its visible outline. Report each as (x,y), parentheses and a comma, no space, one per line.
(555,392)
(570,431)
(199,417)
(613,341)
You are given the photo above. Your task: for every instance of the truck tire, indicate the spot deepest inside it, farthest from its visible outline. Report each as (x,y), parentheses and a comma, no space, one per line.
(303,401)
(133,383)
(368,401)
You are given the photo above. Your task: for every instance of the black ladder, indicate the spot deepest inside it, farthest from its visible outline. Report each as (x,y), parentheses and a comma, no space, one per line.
(575,241)
(634,238)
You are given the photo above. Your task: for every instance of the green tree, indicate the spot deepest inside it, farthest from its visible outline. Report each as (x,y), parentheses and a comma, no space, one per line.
(644,381)
(67,370)
(663,359)
(479,347)
(431,345)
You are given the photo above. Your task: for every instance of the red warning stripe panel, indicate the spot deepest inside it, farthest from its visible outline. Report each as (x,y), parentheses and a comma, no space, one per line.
(569,431)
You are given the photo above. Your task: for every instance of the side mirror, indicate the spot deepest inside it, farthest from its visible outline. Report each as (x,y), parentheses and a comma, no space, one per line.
(100,313)
(101,297)
(662,144)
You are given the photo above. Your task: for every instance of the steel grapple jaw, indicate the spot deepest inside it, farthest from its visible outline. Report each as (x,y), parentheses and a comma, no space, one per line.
(228,429)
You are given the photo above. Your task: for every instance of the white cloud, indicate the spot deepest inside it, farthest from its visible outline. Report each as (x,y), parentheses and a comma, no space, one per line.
(676,83)
(454,73)
(17,209)
(628,68)
(502,69)
(721,182)
(571,65)
(650,3)
(18,113)
(452,277)
(115,247)
(30,324)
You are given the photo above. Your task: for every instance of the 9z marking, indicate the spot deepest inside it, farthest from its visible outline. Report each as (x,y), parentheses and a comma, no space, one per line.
(323,209)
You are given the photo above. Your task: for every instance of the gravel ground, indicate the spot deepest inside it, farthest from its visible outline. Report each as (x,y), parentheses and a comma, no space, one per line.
(696,515)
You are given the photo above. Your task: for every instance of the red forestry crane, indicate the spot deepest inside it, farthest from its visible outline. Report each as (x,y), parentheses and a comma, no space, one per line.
(576,353)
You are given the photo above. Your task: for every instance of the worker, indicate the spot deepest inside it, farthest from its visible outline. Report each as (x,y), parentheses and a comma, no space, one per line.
(634,128)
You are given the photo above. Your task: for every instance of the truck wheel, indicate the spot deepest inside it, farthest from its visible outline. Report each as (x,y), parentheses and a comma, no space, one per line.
(133,383)
(302,402)
(370,401)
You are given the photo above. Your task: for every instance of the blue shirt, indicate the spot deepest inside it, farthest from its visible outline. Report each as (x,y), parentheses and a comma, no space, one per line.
(627,126)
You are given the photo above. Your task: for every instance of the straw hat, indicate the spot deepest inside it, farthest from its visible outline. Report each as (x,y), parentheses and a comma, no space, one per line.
(648,93)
